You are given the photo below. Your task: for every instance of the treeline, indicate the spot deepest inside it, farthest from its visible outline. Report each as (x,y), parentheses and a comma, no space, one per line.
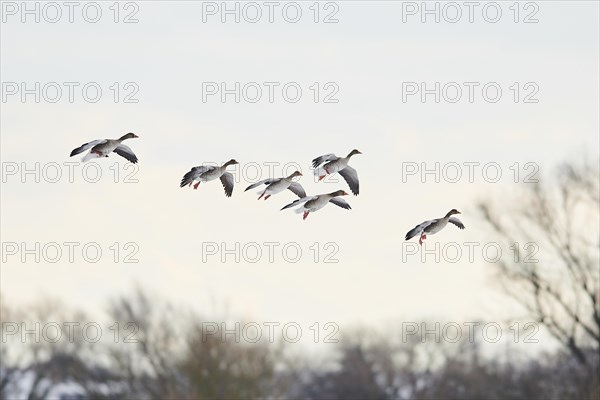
(169,355)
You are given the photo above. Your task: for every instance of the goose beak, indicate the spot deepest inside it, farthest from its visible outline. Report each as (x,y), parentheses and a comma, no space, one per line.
(135,136)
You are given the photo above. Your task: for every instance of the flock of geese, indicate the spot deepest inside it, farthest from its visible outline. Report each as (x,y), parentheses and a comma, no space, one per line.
(327,164)
(324,165)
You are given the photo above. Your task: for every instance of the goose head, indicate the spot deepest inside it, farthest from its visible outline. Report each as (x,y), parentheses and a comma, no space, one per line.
(129,135)
(353,152)
(452,212)
(231,162)
(338,193)
(295,174)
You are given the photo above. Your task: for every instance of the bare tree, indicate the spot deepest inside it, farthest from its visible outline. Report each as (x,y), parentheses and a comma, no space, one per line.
(37,356)
(217,368)
(173,357)
(557,280)
(9,371)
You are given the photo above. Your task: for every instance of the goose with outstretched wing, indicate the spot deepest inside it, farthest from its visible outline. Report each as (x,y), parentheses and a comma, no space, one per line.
(278,185)
(434,226)
(330,164)
(103,147)
(314,203)
(206,173)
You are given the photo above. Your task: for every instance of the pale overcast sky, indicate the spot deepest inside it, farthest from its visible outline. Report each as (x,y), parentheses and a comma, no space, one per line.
(366,57)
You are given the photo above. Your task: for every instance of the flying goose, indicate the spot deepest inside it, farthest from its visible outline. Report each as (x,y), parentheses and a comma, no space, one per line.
(275,186)
(434,226)
(103,147)
(209,173)
(315,203)
(330,164)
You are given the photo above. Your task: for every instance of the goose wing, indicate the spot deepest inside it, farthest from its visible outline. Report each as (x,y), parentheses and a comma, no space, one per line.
(340,203)
(456,222)
(87,146)
(126,152)
(297,189)
(418,229)
(351,177)
(323,159)
(227,181)
(194,174)
(263,182)
(299,201)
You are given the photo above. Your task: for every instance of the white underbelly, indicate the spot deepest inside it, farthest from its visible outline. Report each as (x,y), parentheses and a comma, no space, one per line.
(107,149)
(210,177)
(435,229)
(333,168)
(312,207)
(278,187)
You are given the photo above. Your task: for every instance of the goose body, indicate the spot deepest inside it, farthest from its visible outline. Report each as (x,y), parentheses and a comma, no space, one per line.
(330,164)
(433,226)
(103,147)
(314,203)
(205,173)
(275,186)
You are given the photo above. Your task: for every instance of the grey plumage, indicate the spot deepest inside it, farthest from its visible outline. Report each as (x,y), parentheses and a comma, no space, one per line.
(341,203)
(227,181)
(351,177)
(126,152)
(194,174)
(87,146)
